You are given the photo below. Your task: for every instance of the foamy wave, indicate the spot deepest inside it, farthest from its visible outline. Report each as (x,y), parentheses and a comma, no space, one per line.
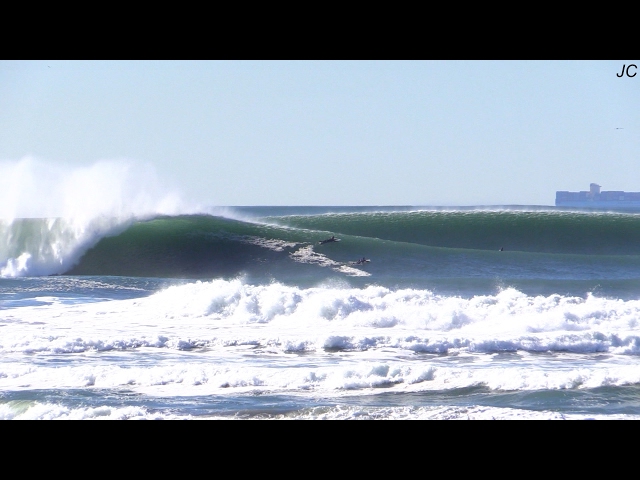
(308,255)
(17,410)
(305,378)
(288,319)
(269,243)
(21,410)
(349,412)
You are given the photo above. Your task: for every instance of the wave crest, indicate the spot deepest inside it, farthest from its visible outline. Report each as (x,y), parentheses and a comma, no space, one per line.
(51,213)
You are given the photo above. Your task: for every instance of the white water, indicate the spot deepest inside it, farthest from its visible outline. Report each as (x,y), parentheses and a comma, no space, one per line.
(21,410)
(71,208)
(230,338)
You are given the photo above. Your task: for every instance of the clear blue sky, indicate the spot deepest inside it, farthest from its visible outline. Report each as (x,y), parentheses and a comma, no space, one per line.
(335,132)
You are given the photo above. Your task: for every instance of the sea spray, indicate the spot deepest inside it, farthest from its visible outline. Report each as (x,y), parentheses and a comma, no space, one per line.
(51,213)
(46,246)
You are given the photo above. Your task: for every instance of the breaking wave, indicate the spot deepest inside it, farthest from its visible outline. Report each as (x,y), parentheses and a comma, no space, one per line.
(50,214)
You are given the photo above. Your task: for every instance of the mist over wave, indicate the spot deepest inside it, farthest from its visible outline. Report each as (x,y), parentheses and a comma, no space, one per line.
(51,213)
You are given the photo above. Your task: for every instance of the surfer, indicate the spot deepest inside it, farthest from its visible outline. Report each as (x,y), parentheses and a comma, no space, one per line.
(502,249)
(361,261)
(332,239)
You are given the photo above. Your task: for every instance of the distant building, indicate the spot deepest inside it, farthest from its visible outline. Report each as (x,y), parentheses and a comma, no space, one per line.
(595,198)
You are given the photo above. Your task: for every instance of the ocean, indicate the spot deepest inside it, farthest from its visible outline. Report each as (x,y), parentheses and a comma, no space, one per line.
(242,313)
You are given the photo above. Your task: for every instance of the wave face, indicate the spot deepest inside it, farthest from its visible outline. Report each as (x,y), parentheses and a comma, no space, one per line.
(189,246)
(405,247)
(542,231)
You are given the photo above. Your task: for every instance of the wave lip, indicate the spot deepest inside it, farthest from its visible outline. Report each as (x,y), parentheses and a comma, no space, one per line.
(45,234)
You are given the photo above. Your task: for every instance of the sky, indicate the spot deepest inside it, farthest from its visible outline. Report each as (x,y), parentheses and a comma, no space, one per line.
(438,133)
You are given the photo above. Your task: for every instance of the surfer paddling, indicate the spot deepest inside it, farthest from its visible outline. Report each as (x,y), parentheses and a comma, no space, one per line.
(328,240)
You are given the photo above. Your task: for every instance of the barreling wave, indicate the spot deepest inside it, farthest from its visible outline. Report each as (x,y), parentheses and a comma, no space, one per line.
(405,247)
(204,246)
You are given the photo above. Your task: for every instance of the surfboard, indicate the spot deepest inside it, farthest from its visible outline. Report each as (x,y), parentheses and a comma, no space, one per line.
(322,242)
